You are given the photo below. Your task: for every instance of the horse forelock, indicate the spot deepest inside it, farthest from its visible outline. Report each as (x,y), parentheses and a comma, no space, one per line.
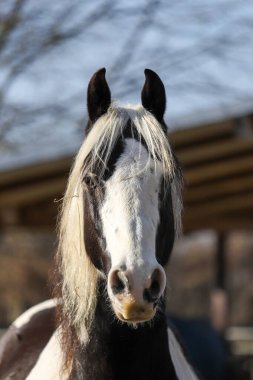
(79,277)
(106,131)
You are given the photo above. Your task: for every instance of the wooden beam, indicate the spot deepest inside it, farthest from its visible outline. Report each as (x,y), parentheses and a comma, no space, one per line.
(206,133)
(43,214)
(215,151)
(24,195)
(35,171)
(221,223)
(237,185)
(216,171)
(221,206)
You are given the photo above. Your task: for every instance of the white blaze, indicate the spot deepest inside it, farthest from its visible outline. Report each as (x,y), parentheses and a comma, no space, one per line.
(130,211)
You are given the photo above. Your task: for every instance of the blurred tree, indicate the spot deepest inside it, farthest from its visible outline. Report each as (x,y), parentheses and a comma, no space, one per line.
(189,41)
(30,30)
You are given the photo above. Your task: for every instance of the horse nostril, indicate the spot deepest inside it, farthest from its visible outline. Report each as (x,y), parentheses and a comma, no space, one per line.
(118,281)
(154,289)
(152,293)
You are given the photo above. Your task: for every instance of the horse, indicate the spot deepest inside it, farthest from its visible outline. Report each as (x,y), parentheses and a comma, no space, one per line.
(119,218)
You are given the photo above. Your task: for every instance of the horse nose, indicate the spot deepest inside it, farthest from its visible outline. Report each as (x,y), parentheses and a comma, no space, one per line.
(141,287)
(134,293)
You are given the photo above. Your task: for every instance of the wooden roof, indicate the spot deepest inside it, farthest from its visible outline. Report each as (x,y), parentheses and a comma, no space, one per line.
(217,161)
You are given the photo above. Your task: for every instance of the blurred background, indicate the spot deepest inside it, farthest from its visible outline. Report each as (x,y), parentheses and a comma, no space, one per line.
(203,51)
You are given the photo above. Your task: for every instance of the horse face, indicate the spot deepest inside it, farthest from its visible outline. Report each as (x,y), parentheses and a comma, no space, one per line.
(129,225)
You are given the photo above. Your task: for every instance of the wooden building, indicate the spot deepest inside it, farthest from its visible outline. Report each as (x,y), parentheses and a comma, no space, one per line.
(217,161)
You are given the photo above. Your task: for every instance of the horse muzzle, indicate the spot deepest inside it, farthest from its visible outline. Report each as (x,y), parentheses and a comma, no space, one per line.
(135,293)
(133,312)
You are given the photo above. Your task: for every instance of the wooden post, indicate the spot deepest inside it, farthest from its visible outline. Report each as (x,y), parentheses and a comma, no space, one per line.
(219,304)
(221,262)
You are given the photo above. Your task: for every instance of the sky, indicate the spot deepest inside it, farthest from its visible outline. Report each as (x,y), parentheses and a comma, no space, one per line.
(201,49)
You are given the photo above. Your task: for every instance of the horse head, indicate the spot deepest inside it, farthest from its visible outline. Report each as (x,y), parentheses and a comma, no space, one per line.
(128,177)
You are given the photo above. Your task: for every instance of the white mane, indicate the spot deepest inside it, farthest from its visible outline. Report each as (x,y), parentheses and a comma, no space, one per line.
(79,275)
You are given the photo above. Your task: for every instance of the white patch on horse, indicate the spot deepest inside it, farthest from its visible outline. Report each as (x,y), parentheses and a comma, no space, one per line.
(50,362)
(25,318)
(130,211)
(182,367)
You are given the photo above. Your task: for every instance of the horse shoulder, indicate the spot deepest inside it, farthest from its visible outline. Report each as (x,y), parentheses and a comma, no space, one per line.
(23,342)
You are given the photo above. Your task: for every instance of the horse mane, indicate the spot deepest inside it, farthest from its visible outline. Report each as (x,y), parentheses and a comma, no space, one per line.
(78,276)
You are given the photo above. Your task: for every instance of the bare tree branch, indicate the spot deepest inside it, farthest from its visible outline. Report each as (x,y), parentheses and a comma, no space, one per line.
(32,31)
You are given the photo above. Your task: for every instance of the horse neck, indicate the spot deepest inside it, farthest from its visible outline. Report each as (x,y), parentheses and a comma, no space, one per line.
(116,350)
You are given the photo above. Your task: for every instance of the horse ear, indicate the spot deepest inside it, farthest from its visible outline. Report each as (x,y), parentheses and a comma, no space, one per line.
(153,95)
(98,95)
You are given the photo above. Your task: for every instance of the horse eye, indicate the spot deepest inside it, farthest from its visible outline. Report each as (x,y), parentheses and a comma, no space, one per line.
(91,181)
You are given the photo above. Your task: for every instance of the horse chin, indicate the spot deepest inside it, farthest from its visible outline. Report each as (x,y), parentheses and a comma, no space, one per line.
(135,319)
(132,313)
